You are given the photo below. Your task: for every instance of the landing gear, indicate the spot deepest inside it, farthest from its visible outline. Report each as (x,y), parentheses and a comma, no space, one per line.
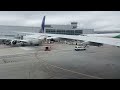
(36,44)
(22,44)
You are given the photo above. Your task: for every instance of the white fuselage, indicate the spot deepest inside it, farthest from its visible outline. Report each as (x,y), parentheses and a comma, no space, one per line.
(33,39)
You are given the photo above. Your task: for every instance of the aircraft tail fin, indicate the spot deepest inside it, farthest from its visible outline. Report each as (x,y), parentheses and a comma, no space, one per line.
(42,29)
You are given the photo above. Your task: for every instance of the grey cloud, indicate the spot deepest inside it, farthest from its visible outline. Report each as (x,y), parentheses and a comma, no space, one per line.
(99,20)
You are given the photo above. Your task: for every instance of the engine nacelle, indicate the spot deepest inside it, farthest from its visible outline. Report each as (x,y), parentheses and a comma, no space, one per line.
(13,42)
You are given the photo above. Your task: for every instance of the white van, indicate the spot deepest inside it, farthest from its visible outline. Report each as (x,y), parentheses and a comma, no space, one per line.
(79,48)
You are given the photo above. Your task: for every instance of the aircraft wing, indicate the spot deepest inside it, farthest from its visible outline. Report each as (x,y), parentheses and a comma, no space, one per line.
(12,38)
(6,38)
(104,40)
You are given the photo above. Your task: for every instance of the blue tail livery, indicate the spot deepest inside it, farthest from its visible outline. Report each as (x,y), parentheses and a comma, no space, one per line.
(42,26)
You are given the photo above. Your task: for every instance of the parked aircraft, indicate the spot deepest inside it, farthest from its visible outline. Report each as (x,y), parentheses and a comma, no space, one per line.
(37,38)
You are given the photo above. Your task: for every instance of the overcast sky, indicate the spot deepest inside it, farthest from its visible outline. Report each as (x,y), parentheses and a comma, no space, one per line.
(98,20)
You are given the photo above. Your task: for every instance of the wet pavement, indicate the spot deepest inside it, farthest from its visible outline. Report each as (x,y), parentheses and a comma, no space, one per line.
(62,62)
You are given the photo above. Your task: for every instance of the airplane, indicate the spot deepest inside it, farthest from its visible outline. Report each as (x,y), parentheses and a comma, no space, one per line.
(29,39)
(37,38)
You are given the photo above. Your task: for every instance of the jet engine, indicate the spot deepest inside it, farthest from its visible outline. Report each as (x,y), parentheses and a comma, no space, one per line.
(13,42)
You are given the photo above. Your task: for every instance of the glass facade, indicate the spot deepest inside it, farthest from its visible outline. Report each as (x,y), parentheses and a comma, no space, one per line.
(78,32)
(52,31)
(66,32)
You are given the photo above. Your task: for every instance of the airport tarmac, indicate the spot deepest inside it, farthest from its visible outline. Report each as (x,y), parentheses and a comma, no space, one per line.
(62,62)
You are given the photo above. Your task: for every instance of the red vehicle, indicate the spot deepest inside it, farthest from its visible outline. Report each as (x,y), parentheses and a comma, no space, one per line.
(47,48)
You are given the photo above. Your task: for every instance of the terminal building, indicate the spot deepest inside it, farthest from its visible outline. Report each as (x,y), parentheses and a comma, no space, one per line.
(71,29)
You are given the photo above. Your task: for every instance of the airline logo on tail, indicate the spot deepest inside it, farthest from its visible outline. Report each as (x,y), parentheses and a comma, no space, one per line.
(42,26)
